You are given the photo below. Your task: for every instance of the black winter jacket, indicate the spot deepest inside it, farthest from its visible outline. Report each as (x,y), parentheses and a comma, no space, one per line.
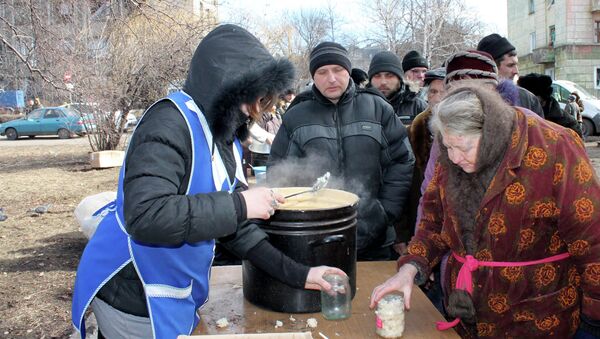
(554,113)
(407,105)
(361,142)
(229,67)
(530,101)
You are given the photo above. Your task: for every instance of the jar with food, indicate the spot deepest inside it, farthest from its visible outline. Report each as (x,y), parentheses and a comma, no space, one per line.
(336,303)
(390,316)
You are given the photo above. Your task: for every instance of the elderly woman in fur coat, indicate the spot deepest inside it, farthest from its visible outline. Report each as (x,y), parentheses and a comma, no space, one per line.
(516,201)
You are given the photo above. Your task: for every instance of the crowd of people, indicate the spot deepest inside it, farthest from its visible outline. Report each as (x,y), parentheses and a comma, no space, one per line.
(478,184)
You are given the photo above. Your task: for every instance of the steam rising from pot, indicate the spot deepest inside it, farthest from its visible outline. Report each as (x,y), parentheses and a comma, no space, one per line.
(303,172)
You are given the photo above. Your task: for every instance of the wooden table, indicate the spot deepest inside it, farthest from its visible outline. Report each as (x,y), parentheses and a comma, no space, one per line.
(227,300)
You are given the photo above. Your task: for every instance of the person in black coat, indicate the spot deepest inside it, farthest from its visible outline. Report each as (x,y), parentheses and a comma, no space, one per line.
(354,134)
(505,56)
(541,86)
(231,79)
(385,74)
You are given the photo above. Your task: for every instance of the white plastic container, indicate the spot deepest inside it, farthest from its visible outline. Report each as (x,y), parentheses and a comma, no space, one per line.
(390,316)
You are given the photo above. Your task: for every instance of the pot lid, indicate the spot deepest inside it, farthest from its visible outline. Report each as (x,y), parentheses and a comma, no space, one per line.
(323,199)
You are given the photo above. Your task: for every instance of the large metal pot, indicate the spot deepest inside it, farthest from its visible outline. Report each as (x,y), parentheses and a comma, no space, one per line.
(314,229)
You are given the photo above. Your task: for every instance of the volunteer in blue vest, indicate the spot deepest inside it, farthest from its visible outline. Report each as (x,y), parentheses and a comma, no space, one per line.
(146,270)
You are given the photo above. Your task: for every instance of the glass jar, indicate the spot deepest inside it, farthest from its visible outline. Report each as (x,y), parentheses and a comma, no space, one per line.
(390,316)
(336,304)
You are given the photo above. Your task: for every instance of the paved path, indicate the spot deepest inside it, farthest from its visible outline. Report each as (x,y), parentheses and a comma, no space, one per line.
(41,141)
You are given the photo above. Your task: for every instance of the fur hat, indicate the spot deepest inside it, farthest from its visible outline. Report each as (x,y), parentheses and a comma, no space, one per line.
(538,84)
(495,45)
(472,65)
(435,74)
(329,53)
(385,61)
(413,59)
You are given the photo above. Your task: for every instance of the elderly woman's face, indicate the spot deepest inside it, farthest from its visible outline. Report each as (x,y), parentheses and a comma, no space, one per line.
(462,150)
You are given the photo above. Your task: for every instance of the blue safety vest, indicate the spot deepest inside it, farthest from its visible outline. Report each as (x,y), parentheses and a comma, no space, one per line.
(175,278)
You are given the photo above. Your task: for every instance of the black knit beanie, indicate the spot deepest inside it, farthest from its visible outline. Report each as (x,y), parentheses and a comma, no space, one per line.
(495,45)
(385,62)
(358,75)
(413,59)
(329,53)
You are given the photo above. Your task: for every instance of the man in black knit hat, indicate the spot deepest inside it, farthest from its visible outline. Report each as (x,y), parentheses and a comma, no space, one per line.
(505,56)
(414,67)
(385,74)
(354,134)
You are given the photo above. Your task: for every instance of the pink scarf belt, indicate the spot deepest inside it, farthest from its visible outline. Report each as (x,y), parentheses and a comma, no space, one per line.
(464,280)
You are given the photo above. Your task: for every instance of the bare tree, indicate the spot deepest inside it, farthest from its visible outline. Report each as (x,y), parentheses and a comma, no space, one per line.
(334,21)
(436,28)
(120,54)
(311,27)
(148,50)
(388,17)
(441,28)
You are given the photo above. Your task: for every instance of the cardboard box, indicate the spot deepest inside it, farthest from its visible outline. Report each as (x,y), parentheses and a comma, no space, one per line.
(105,159)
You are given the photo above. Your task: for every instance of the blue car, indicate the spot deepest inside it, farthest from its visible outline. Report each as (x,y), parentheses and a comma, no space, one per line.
(60,121)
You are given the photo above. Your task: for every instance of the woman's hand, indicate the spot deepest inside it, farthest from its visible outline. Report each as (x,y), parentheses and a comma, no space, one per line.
(315,281)
(402,281)
(261,202)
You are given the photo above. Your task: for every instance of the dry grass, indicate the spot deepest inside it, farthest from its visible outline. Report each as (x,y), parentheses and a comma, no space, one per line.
(39,254)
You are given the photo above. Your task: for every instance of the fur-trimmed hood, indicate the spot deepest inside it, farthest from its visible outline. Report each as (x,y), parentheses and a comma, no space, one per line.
(231,67)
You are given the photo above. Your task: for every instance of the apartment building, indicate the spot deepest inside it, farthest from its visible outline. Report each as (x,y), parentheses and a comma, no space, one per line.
(560,38)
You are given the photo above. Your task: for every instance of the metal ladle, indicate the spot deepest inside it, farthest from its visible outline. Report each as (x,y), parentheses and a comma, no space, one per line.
(317,186)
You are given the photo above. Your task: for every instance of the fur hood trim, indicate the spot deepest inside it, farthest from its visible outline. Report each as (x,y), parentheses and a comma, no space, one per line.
(273,79)
(231,67)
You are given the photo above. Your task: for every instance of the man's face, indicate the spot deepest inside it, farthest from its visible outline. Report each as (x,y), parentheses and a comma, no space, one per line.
(386,82)
(416,75)
(509,67)
(331,81)
(436,92)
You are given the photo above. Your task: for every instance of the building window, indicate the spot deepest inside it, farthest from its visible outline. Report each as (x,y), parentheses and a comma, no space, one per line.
(531,6)
(552,36)
(531,42)
(597,32)
(597,77)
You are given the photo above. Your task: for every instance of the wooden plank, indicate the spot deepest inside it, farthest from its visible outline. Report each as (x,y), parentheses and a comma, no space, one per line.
(227,300)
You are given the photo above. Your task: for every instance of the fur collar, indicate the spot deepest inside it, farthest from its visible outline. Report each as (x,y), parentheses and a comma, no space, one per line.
(466,190)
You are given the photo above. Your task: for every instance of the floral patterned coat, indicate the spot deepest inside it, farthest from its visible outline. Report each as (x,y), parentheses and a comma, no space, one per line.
(543,200)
